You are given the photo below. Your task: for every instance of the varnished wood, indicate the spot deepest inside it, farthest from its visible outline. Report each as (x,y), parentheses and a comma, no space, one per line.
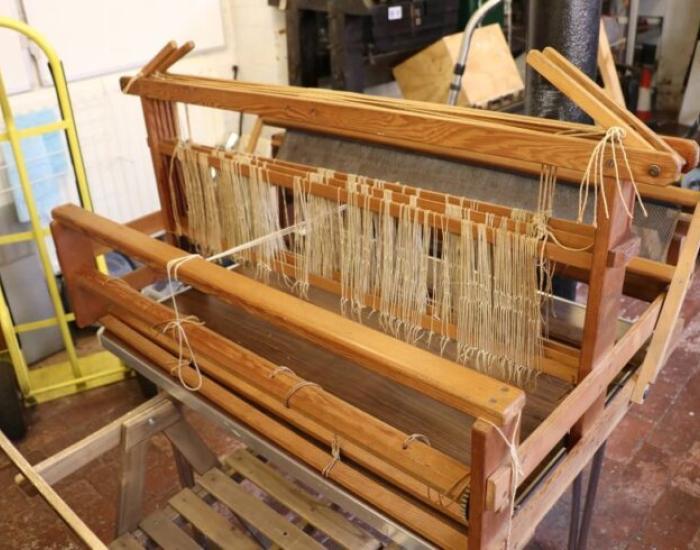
(605,285)
(455,138)
(661,341)
(435,528)
(458,387)
(607,69)
(430,466)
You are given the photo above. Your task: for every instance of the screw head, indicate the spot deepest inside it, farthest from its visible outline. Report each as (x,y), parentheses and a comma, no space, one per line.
(654,170)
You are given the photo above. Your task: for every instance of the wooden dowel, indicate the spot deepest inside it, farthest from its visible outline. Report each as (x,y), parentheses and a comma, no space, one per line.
(464,139)
(64,511)
(175,56)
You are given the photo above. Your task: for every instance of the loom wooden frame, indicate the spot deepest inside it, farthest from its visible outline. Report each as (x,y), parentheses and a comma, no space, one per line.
(583,414)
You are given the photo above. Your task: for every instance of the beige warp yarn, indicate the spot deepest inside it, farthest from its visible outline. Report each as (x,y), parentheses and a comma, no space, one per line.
(478,288)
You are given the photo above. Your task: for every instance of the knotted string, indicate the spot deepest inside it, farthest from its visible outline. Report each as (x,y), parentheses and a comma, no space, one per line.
(415,437)
(131,81)
(296,387)
(335,457)
(279,369)
(595,174)
(176,324)
(516,465)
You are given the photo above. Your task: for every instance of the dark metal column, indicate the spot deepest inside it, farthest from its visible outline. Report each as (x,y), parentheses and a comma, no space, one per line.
(571,27)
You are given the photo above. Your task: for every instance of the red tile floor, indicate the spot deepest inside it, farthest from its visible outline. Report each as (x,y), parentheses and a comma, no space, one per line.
(649,494)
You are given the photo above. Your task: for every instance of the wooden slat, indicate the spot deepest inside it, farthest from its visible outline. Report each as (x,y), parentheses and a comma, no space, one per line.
(126,542)
(661,341)
(256,513)
(583,97)
(433,526)
(606,67)
(65,512)
(74,457)
(445,381)
(628,119)
(366,457)
(210,523)
(166,533)
(551,489)
(465,139)
(333,523)
(536,447)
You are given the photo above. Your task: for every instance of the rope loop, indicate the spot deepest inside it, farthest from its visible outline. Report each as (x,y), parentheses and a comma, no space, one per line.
(415,437)
(335,457)
(296,387)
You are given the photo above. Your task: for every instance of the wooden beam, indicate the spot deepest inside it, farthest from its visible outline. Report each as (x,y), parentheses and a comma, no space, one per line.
(433,468)
(366,458)
(660,345)
(606,67)
(548,493)
(466,139)
(80,453)
(605,285)
(488,528)
(628,120)
(65,512)
(452,384)
(428,524)
(585,98)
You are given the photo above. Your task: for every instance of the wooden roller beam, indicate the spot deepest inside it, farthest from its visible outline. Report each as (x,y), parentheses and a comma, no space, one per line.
(465,139)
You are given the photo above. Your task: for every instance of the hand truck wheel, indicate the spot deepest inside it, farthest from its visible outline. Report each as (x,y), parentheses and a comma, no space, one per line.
(12,421)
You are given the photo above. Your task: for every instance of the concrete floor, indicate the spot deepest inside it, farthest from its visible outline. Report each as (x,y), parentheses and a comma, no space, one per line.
(649,495)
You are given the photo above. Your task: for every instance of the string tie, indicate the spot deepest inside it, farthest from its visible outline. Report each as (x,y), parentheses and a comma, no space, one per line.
(415,437)
(278,370)
(296,387)
(595,174)
(335,457)
(177,323)
(132,80)
(516,467)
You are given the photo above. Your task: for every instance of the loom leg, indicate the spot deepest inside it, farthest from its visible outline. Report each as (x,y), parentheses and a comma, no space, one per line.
(580,526)
(576,487)
(593,480)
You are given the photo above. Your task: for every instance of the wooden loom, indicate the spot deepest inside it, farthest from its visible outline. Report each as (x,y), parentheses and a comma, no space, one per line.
(451,496)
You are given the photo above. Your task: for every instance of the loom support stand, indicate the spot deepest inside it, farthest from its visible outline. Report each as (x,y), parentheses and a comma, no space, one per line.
(580,525)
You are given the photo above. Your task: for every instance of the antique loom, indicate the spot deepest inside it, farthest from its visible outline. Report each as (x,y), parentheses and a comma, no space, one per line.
(399,337)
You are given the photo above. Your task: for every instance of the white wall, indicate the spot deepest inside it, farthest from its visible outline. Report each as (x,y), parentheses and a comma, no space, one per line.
(680,27)
(110,124)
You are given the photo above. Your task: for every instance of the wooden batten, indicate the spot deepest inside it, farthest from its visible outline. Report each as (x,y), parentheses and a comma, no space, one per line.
(465,139)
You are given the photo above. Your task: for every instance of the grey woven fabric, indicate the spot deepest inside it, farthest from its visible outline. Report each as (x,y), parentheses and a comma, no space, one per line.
(457,178)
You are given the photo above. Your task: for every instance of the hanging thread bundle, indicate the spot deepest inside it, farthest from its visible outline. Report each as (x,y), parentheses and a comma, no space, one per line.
(477,287)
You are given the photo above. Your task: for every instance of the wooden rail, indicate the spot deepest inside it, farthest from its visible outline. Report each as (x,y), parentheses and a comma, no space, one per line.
(466,139)
(464,389)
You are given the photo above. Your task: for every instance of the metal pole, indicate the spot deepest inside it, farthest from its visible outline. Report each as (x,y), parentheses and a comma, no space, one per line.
(631,32)
(596,468)
(460,64)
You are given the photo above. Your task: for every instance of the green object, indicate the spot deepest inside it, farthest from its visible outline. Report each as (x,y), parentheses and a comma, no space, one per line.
(468,7)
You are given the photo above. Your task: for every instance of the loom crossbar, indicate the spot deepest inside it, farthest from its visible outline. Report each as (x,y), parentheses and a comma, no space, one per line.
(464,389)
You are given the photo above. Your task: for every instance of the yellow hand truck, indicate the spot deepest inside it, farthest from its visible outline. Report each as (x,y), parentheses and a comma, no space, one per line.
(19,383)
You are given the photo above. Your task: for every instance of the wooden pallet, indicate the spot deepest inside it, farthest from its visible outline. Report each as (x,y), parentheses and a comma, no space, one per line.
(246,504)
